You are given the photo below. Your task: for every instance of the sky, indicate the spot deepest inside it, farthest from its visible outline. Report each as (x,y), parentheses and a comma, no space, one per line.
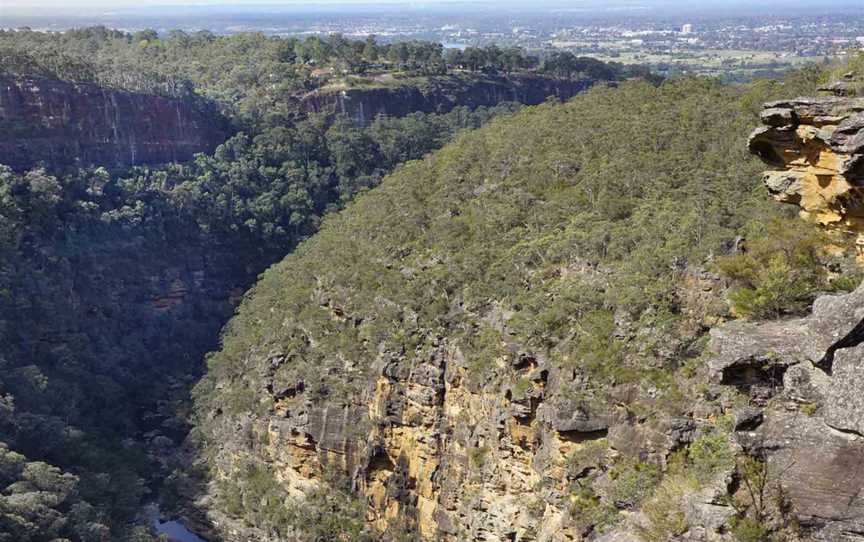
(73,4)
(35,6)
(141,3)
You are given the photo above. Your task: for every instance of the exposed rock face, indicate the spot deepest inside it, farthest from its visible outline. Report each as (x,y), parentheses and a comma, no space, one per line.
(44,120)
(457,461)
(440,95)
(816,147)
(807,372)
(428,446)
(816,457)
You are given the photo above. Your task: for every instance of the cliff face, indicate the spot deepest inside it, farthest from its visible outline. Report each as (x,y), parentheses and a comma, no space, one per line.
(440,95)
(455,460)
(65,123)
(428,447)
(816,149)
(804,374)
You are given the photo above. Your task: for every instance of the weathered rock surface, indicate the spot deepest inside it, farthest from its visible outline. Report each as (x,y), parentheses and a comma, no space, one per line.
(815,457)
(45,120)
(816,147)
(454,460)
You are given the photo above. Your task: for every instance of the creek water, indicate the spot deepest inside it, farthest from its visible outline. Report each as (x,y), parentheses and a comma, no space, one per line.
(176,531)
(173,529)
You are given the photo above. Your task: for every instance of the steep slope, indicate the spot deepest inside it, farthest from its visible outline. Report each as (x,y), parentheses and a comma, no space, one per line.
(61,123)
(501,342)
(440,94)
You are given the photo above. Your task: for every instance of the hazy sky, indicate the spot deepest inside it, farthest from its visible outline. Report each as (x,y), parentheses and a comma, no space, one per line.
(10,6)
(71,4)
(156,3)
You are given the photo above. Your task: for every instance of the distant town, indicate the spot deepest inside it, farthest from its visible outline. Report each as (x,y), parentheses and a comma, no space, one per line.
(734,48)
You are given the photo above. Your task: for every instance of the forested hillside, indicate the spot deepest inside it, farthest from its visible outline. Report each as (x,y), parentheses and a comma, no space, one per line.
(256,78)
(115,281)
(507,340)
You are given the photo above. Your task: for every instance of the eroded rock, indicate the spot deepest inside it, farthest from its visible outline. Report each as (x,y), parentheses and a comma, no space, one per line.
(814,450)
(816,147)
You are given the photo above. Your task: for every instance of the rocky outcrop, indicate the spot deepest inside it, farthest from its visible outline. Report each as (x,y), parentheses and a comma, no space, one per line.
(46,120)
(816,149)
(806,374)
(439,95)
(429,446)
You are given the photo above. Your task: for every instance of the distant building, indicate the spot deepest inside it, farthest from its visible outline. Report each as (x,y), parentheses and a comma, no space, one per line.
(687,29)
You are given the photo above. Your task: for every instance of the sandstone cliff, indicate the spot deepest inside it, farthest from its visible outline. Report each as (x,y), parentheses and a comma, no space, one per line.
(45,120)
(816,147)
(440,95)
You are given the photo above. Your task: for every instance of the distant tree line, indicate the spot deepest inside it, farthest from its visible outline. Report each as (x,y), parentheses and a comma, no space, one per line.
(253,67)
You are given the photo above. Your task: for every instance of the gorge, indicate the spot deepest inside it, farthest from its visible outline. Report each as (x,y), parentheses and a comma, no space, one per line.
(295,295)
(133,223)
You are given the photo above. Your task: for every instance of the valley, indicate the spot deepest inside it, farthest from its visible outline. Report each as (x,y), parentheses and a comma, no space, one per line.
(283,289)
(133,225)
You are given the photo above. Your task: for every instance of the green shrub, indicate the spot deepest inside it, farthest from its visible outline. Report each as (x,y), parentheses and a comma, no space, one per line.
(809,408)
(522,387)
(664,510)
(633,483)
(709,455)
(749,530)
(854,65)
(847,282)
(477,456)
(780,271)
(588,511)
(330,511)
(481,350)
(591,455)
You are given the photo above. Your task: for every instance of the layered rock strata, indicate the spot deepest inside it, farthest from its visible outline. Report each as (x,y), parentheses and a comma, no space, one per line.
(815,147)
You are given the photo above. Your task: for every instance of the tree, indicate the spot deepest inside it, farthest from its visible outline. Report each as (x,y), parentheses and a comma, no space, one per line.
(370,49)
(147,35)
